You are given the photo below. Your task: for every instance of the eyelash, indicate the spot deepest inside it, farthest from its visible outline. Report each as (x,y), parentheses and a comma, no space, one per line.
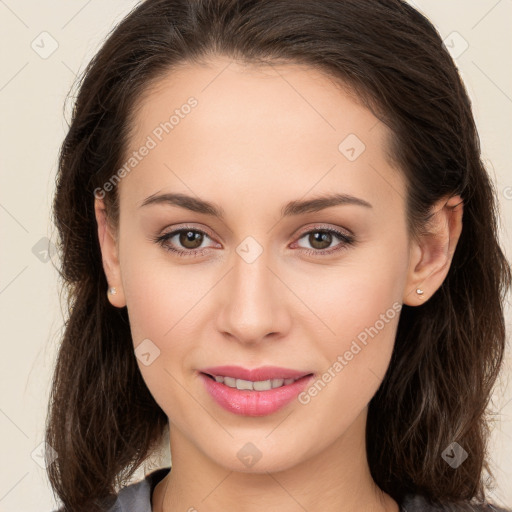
(347,240)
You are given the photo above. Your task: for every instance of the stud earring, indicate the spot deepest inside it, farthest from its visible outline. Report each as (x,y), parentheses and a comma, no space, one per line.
(420,293)
(112,290)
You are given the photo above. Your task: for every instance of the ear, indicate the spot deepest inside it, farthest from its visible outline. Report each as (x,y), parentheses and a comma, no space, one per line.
(431,255)
(109,254)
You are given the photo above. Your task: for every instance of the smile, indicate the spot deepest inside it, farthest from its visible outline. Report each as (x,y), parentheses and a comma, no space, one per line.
(260,385)
(254,397)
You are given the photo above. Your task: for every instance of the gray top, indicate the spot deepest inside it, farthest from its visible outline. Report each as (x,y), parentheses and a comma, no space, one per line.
(136,497)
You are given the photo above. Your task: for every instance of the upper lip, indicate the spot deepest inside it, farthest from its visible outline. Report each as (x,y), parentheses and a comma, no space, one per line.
(255,374)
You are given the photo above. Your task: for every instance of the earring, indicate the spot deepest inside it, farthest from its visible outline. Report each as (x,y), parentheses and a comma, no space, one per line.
(420,293)
(112,290)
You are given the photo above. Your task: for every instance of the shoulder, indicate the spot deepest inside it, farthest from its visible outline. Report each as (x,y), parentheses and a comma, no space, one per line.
(136,497)
(417,503)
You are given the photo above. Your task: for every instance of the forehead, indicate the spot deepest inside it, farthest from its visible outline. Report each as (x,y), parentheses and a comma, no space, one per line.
(262,97)
(266,127)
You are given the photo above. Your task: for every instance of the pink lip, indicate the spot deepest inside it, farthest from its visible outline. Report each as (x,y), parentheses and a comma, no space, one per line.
(254,403)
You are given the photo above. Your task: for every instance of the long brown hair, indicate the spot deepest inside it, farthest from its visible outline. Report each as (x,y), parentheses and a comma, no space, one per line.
(103,421)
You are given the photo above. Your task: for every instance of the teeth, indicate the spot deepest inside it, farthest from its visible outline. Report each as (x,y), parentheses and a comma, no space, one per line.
(243,384)
(261,385)
(230,381)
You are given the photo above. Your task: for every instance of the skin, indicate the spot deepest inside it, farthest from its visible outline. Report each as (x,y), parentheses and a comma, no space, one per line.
(259,138)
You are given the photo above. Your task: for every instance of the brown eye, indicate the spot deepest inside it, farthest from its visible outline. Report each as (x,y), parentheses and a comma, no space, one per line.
(188,242)
(191,239)
(185,242)
(320,239)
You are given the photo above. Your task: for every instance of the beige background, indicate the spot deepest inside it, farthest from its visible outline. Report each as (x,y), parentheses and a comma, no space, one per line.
(44,45)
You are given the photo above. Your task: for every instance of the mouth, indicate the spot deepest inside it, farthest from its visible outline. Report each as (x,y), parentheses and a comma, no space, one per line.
(250,385)
(261,392)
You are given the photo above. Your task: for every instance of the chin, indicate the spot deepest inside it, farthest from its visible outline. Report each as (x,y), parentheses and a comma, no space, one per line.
(257,457)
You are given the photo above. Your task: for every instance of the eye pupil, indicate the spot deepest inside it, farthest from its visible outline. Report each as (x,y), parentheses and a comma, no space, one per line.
(322,237)
(189,239)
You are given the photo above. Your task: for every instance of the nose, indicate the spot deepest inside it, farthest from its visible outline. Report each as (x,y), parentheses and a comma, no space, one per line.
(252,302)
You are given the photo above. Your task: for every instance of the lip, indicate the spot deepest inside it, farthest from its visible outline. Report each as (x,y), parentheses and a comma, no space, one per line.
(254,403)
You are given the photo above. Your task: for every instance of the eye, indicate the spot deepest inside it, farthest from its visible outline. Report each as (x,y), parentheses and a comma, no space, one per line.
(188,242)
(184,242)
(320,239)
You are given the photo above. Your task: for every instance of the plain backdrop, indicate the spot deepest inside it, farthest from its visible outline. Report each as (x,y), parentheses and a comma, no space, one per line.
(44,46)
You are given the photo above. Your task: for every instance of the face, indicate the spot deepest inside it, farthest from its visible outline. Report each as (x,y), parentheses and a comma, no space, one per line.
(272,280)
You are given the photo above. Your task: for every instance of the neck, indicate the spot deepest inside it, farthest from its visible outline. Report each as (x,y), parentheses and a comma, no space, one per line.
(336,479)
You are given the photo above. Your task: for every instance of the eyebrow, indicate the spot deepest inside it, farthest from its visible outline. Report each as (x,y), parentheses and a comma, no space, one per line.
(292,208)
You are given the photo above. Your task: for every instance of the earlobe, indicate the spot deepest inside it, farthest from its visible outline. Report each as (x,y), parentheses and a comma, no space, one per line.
(109,255)
(431,255)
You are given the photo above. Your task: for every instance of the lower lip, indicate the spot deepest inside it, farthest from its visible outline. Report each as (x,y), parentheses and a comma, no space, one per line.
(253,403)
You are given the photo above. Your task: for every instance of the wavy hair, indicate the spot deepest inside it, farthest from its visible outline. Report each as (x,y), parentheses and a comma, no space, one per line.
(103,422)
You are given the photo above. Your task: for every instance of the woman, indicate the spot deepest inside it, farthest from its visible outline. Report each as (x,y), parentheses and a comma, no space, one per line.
(280,247)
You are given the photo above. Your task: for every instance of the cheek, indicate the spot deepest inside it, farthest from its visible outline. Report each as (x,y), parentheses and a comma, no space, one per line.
(162,303)
(364,317)
(360,304)
(354,295)
(158,292)
(151,304)
(158,299)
